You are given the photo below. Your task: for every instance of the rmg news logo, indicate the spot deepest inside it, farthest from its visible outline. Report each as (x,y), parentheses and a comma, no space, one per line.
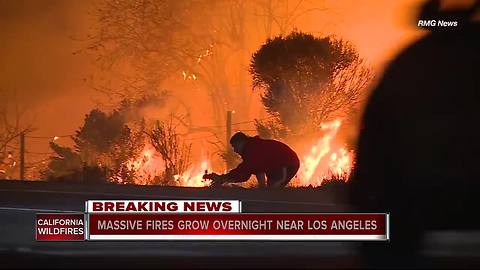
(437,23)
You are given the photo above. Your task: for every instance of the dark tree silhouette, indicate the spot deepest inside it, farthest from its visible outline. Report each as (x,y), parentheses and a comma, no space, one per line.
(66,164)
(107,140)
(307,80)
(104,141)
(111,143)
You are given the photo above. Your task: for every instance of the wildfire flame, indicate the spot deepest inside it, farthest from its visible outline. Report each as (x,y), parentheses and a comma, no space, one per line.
(327,159)
(147,165)
(150,164)
(193,177)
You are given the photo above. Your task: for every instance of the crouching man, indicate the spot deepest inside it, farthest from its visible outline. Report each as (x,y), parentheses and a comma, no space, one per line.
(272,162)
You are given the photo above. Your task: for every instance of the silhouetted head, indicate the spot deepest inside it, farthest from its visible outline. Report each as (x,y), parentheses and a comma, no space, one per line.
(238,142)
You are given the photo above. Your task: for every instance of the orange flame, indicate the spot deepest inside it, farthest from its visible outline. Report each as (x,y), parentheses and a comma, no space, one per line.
(328,158)
(325,160)
(193,177)
(147,165)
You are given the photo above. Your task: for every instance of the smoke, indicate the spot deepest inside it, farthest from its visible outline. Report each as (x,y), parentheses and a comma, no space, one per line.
(38,66)
(39,36)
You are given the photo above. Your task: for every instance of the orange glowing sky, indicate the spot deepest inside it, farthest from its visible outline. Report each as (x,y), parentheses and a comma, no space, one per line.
(38,38)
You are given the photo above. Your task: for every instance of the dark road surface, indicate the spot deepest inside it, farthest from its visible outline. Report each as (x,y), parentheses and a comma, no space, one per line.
(20,201)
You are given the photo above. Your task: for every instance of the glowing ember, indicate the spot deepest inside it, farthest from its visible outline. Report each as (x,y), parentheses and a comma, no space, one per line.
(207,53)
(189,76)
(7,166)
(325,160)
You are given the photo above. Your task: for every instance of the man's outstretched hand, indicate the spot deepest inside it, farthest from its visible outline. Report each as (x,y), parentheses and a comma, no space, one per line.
(216,178)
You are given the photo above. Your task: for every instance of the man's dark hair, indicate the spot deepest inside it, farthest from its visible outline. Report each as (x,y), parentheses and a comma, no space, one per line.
(237,137)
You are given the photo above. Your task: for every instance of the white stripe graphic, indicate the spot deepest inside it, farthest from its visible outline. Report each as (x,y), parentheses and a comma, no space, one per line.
(38,209)
(240,237)
(170,197)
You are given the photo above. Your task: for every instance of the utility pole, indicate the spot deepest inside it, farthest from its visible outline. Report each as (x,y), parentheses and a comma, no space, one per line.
(229,152)
(22,155)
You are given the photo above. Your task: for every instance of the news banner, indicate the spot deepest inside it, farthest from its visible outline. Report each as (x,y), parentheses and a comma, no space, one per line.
(203,220)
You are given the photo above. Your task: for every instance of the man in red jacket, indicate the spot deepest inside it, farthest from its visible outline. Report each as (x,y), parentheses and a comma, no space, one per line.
(270,161)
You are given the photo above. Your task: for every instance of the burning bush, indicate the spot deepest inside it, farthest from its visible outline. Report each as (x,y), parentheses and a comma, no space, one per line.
(310,85)
(175,155)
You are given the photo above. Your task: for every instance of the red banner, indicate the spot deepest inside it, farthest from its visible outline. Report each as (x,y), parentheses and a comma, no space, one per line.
(60,227)
(243,226)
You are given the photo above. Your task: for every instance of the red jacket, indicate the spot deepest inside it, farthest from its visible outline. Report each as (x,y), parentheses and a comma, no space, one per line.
(261,155)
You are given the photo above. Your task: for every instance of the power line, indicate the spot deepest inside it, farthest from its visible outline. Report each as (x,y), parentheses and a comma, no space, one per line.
(247,130)
(251,121)
(39,153)
(237,123)
(199,138)
(49,137)
(36,162)
(244,122)
(210,126)
(214,126)
(12,147)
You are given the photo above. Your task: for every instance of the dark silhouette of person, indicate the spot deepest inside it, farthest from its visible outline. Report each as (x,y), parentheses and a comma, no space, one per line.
(418,155)
(270,161)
